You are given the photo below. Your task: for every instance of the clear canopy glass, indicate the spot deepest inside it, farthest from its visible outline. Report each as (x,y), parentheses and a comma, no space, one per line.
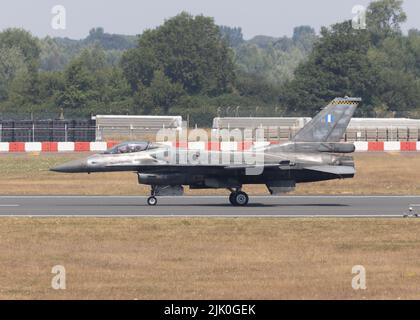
(130,147)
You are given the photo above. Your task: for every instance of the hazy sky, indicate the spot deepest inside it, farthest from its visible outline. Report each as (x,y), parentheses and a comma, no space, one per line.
(267,17)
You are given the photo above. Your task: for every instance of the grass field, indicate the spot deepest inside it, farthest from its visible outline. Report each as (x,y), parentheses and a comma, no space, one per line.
(209,258)
(377,173)
(201,258)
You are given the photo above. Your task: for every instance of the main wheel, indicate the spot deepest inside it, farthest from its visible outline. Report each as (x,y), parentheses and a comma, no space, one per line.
(232,199)
(151,201)
(239,198)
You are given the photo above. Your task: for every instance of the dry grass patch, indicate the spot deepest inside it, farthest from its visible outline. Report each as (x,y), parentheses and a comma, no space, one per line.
(209,258)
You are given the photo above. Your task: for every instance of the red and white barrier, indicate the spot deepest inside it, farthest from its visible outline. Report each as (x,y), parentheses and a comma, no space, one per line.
(33,147)
(4,147)
(361,146)
(387,146)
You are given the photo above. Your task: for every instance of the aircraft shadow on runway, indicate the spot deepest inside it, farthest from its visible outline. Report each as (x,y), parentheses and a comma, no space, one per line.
(227,205)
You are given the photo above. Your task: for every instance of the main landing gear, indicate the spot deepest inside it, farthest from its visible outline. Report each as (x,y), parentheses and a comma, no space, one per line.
(238,198)
(152,200)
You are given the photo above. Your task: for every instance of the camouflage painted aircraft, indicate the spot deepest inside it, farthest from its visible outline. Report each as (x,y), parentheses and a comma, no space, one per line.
(315,153)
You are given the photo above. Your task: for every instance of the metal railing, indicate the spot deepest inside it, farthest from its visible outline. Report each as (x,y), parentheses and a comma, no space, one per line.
(35,131)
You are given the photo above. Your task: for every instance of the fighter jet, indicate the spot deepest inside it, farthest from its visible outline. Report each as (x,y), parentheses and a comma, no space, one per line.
(314,154)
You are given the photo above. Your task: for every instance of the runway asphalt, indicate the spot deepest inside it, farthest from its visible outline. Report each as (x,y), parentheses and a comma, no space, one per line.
(214,206)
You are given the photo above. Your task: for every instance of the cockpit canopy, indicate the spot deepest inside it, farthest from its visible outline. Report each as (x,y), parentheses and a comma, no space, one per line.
(130,147)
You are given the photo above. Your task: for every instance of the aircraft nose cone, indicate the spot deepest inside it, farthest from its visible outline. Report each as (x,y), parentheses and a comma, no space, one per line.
(72,166)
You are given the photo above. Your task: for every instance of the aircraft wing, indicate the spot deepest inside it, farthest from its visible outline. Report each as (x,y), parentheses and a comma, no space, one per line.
(162,166)
(185,167)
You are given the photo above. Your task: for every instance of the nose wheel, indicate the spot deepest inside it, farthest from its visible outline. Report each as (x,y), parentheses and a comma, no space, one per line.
(238,198)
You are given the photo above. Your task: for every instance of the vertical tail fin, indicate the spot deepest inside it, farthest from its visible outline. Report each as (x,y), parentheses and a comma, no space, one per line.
(330,124)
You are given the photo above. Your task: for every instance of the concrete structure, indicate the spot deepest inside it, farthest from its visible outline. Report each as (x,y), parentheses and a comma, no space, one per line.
(111,126)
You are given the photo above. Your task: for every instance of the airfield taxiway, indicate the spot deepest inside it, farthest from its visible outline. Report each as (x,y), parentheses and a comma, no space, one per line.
(209,206)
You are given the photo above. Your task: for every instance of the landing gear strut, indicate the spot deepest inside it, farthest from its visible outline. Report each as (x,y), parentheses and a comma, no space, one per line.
(152,200)
(238,198)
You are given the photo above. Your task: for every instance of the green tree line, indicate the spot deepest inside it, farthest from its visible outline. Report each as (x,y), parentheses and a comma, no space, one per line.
(192,67)
(379,64)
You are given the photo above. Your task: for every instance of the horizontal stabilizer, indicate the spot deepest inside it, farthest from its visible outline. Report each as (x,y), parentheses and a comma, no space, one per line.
(338,170)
